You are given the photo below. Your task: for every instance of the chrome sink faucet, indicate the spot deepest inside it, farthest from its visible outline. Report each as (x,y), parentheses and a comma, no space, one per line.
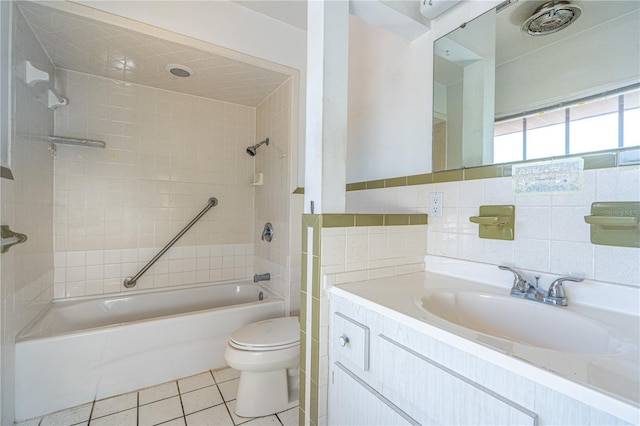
(525,289)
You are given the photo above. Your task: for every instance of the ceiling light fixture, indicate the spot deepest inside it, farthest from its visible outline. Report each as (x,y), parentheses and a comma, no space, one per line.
(179,70)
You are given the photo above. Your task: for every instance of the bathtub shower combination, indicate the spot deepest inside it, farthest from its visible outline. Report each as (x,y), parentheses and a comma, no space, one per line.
(87,348)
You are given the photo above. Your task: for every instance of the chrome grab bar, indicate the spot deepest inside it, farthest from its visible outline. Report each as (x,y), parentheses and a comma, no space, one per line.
(131,281)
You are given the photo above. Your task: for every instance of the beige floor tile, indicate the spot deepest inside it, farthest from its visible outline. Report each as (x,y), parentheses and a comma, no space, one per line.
(160,411)
(199,381)
(236,418)
(174,422)
(116,404)
(229,389)
(71,416)
(225,375)
(289,417)
(156,393)
(264,421)
(215,416)
(123,418)
(201,399)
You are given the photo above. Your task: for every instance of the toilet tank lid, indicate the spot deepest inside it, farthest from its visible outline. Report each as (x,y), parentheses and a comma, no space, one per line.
(272,332)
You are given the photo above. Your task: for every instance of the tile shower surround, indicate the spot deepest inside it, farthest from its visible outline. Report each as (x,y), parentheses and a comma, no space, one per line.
(92,272)
(27,269)
(166,154)
(273,199)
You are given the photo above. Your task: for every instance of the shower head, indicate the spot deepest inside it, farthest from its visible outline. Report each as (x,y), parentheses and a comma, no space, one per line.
(552,16)
(252,149)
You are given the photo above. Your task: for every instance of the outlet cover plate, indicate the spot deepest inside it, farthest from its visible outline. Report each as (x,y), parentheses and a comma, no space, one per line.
(435,204)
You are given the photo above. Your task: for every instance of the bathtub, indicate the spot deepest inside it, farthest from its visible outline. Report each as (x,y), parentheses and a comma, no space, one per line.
(87,348)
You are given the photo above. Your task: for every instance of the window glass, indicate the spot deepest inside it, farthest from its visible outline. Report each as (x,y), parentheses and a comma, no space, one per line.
(632,119)
(508,148)
(508,141)
(546,135)
(594,125)
(594,133)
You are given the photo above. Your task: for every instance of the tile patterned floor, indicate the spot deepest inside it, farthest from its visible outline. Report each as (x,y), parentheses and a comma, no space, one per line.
(201,400)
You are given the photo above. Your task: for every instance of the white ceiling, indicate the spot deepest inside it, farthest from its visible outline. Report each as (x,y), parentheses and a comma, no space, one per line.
(292,12)
(89,46)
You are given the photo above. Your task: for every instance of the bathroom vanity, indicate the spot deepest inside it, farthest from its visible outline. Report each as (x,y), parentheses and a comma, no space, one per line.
(395,359)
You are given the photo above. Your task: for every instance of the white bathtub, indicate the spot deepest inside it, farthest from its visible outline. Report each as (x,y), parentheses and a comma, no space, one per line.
(88,348)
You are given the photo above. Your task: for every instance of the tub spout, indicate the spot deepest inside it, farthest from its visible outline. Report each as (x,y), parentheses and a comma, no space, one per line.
(261,277)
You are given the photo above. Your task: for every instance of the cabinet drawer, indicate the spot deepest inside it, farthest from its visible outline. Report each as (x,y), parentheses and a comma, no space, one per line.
(434,394)
(350,341)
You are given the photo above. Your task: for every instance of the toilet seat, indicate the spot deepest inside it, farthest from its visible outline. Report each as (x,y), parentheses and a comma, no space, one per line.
(268,335)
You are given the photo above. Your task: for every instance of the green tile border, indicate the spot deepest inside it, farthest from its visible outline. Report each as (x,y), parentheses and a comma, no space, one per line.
(375,184)
(304,285)
(338,220)
(601,160)
(303,309)
(420,179)
(363,219)
(487,172)
(448,176)
(369,220)
(315,363)
(315,277)
(315,319)
(302,394)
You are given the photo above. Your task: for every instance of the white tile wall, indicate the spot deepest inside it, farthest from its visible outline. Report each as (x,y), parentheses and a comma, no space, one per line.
(27,207)
(372,247)
(92,272)
(166,154)
(273,198)
(550,235)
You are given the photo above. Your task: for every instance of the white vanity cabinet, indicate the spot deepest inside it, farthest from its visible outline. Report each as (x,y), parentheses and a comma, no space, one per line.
(410,377)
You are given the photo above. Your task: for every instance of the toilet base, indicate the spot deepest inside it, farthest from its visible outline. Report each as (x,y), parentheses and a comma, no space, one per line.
(266,392)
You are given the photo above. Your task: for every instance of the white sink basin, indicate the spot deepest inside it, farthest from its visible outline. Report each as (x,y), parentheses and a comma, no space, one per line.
(520,321)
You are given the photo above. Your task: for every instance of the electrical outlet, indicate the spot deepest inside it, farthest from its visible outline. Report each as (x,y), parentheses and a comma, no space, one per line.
(435,204)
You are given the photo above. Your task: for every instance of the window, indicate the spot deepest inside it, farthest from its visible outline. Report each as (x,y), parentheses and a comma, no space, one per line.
(605,121)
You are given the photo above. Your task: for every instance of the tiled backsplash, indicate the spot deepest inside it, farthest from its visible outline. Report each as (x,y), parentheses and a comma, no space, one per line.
(550,233)
(92,272)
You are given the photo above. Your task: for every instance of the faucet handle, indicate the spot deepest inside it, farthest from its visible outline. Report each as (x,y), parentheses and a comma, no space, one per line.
(556,290)
(519,283)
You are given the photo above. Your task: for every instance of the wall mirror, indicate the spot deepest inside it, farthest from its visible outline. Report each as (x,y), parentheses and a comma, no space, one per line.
(502,95)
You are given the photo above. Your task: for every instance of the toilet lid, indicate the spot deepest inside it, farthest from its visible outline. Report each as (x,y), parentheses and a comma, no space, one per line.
(278,333)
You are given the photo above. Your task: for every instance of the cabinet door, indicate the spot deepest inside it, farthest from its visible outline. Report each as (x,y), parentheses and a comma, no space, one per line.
(434,394)
(353,402)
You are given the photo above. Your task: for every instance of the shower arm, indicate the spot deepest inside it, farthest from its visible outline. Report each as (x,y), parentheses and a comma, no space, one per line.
(131,281)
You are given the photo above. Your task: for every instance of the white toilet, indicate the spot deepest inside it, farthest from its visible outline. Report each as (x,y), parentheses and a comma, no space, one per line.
(267,354)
